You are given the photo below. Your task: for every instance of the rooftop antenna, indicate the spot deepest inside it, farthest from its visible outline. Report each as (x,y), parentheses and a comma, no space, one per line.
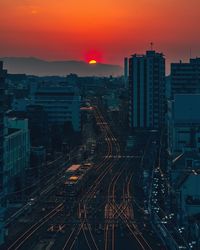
(151,44)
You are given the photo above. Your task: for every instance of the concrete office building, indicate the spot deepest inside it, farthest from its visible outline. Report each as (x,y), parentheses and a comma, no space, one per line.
(147,90)
(185,77)
(184,123)
(62,104)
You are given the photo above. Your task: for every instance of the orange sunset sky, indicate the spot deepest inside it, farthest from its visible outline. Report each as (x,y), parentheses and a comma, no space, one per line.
(105,29)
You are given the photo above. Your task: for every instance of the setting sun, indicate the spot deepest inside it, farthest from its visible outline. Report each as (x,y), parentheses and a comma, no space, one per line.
(92,61)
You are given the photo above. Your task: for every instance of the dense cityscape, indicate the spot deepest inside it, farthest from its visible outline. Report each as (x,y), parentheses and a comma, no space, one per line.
(99,125)
(102,162)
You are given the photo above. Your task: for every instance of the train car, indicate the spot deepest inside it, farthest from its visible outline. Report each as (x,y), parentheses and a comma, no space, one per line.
(73,169)
(73,186)
(76,179)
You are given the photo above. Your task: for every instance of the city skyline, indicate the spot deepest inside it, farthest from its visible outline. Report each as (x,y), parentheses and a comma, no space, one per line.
(64,31)
(99,124)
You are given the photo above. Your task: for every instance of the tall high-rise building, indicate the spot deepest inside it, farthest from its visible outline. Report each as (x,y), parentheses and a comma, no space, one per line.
(126,71)
(185,77)
(2,193)
(147,90)
(2,90)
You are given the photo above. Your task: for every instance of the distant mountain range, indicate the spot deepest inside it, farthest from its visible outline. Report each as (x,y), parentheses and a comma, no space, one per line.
(38,67)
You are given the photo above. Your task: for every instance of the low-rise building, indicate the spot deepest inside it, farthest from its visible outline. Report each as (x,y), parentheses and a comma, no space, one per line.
(185,187)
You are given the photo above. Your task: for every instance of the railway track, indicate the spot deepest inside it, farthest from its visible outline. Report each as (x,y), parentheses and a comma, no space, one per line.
(124,210)
(121,173)
(104,167)
(17,244)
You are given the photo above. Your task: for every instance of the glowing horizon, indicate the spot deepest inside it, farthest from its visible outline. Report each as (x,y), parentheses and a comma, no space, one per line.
(57,30)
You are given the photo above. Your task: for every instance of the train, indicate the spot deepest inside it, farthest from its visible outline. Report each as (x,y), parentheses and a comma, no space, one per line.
(76,179)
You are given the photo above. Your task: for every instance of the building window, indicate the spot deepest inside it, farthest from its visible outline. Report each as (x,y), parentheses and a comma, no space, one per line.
(189,163)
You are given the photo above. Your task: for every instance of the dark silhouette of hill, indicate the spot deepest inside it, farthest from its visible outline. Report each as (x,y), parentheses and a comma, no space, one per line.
(38,67)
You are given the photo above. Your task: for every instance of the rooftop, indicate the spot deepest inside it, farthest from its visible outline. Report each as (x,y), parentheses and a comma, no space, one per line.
(73,168)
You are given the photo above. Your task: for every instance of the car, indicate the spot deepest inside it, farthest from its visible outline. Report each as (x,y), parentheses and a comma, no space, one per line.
(32,201)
